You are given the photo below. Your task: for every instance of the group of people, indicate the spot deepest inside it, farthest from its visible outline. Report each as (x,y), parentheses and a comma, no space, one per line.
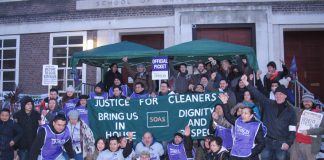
(256,120)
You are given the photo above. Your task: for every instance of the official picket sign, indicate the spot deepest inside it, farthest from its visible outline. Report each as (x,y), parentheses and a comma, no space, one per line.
(163,116)
(310,120)
(160,68)
(50,75)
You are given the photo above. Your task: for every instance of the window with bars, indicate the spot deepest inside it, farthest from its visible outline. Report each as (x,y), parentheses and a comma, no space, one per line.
(63,46)
(8,63)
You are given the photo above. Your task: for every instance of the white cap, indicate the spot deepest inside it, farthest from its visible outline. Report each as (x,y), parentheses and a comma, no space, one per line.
(70,89)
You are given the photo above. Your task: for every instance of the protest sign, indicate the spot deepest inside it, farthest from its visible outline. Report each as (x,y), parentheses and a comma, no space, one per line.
(50,75)
(310,120)
(163,116)
(160,68)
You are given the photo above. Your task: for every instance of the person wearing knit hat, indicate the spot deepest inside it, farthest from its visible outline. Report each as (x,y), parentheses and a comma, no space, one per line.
(140,75)
(282,89)
(69,100)
(70,89)
(99,92)
(308,97)
(178,134)
(28,119)
(81,136)
(74,114)
(306,146)
(181,146)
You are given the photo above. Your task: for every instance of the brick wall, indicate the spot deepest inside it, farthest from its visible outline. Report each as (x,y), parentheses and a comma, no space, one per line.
(298,7)
(34,52)
(32,7)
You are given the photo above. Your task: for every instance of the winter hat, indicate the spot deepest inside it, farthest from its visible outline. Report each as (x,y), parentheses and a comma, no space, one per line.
(281,89)
(70,89)
(100,85)
(74,114)
(178,134)
(83,97)
(140,65)
(117,78)
(308,97)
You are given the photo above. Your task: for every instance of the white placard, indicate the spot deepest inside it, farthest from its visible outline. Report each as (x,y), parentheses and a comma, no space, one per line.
(160,68)
(309,120)
(50,75)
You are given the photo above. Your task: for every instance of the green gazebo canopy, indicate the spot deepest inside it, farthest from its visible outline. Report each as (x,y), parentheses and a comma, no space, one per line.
(105,55)
(188,52)
(202,49)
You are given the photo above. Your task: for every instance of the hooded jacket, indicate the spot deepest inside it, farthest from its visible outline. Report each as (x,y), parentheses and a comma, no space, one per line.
(222,154)
(28,122)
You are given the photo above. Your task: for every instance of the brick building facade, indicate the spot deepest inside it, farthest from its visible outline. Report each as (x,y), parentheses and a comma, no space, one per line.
(46,30)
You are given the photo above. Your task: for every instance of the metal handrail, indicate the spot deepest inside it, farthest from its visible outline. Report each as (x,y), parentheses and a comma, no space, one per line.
(85,88)
(299,90)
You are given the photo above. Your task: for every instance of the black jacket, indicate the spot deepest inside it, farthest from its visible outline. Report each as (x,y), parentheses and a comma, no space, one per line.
(220,155)
(276,117)
(29,124)
(110,77)
(9,130)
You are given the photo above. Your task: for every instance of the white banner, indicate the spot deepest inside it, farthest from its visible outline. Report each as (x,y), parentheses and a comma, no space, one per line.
(50,75)
(310,120)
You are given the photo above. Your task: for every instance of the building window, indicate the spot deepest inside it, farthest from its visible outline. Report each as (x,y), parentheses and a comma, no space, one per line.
(62,47)
(9,62)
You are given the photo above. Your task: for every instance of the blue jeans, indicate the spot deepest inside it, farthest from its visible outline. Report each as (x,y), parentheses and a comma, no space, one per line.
(23,154)
(76,156)
(273,150)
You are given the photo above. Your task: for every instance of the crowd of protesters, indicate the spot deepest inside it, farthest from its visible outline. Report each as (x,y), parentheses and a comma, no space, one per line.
(257,120)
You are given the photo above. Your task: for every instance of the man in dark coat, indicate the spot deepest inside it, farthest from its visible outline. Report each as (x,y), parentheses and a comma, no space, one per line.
(28,119)
(279,117)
